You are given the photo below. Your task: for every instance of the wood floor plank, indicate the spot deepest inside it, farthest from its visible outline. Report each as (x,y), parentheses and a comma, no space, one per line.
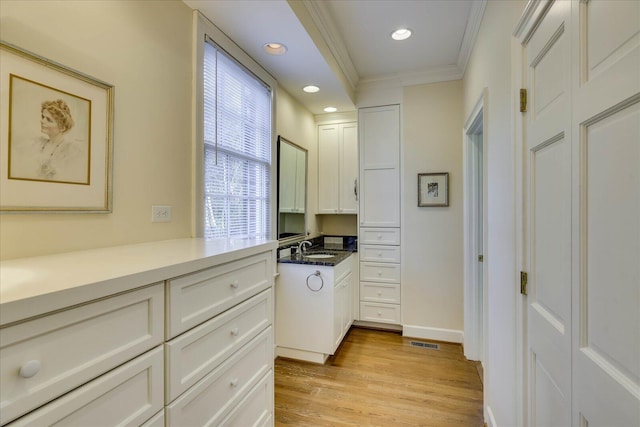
(376,378)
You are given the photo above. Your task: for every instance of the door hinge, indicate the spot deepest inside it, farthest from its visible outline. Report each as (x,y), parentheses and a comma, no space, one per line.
(480,258)
(524,278)
(523,100)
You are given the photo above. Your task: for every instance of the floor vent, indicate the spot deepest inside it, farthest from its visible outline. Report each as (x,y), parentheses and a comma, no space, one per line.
(425,345)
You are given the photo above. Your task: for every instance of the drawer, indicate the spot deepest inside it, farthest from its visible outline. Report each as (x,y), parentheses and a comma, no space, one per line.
(379,253)
(211,399)
(256,409)
(197,297)
(379,236)
(380,292)
(383,313)
(74,346)
(197,352)
(156,421)
(127,396)
(379,272)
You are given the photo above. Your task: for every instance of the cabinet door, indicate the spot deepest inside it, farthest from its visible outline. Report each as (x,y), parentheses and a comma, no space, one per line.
(348,168)
(299,204)
(380,166)
(328,168)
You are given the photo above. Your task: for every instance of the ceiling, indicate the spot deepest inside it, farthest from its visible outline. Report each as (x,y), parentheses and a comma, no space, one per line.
(341,45)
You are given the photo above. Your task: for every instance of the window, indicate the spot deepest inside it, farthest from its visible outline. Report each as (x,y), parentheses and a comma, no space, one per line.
(237,149)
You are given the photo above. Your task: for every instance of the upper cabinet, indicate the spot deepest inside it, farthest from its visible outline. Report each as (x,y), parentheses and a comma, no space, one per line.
(293,178)
(379,166)
(338,168)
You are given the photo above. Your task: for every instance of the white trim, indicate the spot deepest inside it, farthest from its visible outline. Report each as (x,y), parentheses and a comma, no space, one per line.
(307,356)
(470,33)
(475,308)
(437,334)
(201,27)
(322,18)
(431,75)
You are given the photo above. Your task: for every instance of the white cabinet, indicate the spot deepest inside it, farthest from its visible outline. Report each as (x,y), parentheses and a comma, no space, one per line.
(293,166)
(379,215)
(338,168)
(313,309)
(194,348)
(379,166)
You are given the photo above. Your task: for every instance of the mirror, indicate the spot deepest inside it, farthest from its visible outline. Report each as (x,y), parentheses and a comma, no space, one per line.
(292,190)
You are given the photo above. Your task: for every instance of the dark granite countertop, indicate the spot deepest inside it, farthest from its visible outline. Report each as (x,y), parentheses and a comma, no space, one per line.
(338,257)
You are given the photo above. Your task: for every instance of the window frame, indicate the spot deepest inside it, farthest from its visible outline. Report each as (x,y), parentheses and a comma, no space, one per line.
(203,29)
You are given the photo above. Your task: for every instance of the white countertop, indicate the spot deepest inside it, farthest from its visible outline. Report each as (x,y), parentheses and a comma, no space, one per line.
(37,285)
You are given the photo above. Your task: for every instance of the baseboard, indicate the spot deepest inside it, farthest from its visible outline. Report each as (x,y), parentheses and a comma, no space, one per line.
(491,420)
(307,356)
(437,334)
(377,325)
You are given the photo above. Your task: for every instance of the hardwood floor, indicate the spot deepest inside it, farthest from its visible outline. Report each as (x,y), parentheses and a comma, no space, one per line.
(376,378)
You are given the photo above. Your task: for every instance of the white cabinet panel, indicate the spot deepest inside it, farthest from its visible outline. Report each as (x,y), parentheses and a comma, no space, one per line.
(212,398)
(197,352)
(380,198)
(379,253)
(337,168)
(197,297)
(382,313)
(126,396)
(380,292)
(379,236)
(74,346)
(379,272)
(256,409)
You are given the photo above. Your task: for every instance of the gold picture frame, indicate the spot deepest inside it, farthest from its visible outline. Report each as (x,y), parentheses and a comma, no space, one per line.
(433,189)
(56,145)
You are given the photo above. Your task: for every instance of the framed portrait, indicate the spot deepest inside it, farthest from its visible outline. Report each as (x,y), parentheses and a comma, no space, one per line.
(57,137)
(433,189)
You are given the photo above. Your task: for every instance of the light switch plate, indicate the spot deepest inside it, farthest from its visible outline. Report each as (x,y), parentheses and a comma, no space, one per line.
(160,213)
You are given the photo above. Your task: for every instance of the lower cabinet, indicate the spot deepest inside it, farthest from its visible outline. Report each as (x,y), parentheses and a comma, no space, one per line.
(314,309)
(188,351)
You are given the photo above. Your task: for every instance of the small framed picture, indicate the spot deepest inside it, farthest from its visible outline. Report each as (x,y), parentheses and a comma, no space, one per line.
(433,189)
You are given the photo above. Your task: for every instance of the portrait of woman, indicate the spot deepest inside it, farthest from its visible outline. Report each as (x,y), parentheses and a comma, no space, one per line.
(57,153)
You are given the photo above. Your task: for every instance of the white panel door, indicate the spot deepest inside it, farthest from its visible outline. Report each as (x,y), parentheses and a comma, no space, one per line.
(328,168)
(349,168)
(548,195)
(606,293)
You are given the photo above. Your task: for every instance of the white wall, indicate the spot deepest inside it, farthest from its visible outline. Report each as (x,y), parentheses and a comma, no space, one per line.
(490,66)
(144,50)
(432,292)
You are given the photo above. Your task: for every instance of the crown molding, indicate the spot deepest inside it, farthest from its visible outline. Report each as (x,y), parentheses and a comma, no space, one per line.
(470,33)
(324,22)
(433,75)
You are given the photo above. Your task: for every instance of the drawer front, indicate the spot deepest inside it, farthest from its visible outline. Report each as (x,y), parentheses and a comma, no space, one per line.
(379,272)
(383,313)
(156,421)
(197,297)
(379,236)
(127,396)
(197,352)
(212,398)
(379,253)
(380,292)
(74,346)
(256,409)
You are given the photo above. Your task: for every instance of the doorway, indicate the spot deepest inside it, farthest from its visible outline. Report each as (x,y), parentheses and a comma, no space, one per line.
(474,231)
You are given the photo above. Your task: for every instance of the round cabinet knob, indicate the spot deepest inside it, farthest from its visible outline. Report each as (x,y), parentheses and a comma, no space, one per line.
(379,273)
(379,254)
(235,332)
(233,382)
(379,236)
(379,313)
(29,369)
(379,293)
(234,284)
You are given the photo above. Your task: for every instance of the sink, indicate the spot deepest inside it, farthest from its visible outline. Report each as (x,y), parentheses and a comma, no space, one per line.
(319,256)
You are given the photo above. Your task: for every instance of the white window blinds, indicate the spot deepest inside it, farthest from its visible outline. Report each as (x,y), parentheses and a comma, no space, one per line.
(237,149)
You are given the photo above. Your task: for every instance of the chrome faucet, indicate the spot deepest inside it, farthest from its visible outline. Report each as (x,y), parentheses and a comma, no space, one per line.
(301,246)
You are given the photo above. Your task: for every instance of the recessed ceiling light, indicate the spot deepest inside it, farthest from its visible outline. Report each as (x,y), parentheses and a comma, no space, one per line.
(311,89)
(330,109)
(401,34)
(275,48)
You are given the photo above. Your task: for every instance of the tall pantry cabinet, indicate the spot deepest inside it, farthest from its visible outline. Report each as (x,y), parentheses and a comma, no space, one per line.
(379,214)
